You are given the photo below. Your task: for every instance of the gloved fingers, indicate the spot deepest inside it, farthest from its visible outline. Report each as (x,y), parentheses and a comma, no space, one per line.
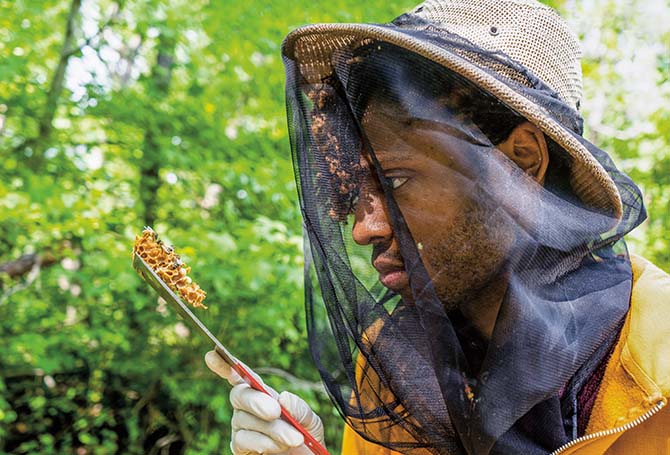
(301,411)
(237,451)
(263,406)
(273,392)
(281,432)
(219,366)
(247,442)
(296,406)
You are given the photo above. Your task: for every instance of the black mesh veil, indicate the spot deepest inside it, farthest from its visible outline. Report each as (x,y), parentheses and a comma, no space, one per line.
(458,295)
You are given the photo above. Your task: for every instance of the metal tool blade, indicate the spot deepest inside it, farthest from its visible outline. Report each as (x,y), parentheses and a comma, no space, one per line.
(150,276)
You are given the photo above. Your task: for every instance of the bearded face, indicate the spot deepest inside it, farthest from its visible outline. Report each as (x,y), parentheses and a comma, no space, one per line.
(463,238)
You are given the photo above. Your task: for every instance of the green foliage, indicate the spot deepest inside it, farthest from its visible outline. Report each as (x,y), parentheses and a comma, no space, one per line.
(168,109)
(171,112)
(627,94)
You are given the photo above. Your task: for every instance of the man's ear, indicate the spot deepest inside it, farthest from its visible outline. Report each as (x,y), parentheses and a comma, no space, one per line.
(527,147)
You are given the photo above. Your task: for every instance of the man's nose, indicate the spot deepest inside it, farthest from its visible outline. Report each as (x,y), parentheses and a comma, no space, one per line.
(371,221)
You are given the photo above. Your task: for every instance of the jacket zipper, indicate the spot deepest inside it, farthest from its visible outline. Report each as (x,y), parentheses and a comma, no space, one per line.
(657,407)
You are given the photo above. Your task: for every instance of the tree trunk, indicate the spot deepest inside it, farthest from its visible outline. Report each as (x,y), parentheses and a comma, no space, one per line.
(45,121)
(150,164)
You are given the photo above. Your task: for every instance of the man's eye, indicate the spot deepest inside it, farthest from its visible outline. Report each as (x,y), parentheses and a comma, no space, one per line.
(397,182)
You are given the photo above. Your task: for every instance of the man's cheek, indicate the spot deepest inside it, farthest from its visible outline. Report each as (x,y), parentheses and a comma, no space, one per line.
(432,225)
(435,256)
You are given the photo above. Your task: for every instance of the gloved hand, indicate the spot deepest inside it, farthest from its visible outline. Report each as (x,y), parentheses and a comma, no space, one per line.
(256,424)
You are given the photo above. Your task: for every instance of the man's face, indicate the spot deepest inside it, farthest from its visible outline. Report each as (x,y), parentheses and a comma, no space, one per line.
(462,238)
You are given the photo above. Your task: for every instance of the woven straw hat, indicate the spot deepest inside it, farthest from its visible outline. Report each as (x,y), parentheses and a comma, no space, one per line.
(530,33)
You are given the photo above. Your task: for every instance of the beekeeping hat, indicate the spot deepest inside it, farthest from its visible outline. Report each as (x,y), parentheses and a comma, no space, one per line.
(536,45)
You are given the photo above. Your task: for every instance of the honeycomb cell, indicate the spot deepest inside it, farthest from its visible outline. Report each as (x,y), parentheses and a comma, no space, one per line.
(168,266)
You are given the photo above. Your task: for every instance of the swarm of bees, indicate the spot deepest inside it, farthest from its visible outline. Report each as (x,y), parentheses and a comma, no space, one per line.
(168,266)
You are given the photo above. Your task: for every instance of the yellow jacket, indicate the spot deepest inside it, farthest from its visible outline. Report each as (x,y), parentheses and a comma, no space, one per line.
(630,415)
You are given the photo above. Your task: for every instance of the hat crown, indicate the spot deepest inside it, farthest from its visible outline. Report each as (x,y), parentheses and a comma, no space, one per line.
(529,32)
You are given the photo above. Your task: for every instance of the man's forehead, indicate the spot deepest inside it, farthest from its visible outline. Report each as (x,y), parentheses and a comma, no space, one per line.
(384,113)
(408,106)
(396,137)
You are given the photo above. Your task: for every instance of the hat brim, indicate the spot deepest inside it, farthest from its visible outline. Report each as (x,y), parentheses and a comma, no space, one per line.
(312,47)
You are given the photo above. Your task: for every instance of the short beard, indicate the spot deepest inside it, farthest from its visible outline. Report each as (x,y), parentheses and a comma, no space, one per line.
(476,254)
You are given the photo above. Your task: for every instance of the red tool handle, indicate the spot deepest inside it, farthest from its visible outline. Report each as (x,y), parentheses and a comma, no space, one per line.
(310,442)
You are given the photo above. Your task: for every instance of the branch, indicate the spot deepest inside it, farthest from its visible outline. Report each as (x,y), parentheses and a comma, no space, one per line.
(26,263)
(301,384)
(147,397)
(129,57)
(87,42)
(165,441)
(182,425)
(32,276)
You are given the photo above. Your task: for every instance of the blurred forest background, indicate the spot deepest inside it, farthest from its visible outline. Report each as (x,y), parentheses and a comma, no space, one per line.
(115,114)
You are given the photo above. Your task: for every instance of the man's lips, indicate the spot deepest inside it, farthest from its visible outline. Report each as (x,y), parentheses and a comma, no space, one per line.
(391,273)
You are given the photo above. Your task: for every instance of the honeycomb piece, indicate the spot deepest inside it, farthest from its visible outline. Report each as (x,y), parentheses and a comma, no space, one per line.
(168,266)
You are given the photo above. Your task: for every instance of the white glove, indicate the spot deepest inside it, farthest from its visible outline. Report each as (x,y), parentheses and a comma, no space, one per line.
(256,425)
